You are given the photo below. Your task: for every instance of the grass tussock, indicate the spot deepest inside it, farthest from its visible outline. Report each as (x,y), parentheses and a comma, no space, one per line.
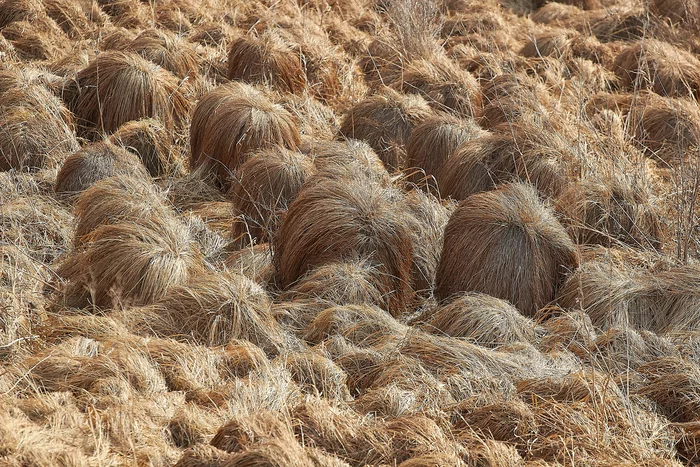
(118,87)
(518,224)
(231,122)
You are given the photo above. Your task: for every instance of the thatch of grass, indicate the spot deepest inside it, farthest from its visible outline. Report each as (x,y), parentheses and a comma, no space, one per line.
(130,14)
(149,139)
(267,59)
(118,199)
(96,162)
(610,296)
(336,429)
(116,38)
(316,374)
(20,10)
(242,431)
(317,121)
(659,66)
(443,84)
(275,452)
(428,218)
(385,121)
(263,187)
(346,159)
(557,13)
(678,11)
(344,283)
(118,87)
(202,455)
(358,324)
(486,320)
(611,210)
(503,420)
(567,45)
(134,263)
(213,309)
(676,297)
(37,224)
(32,139)
(74,19)
(233,120)
(254,262)
(514,98)
(340,220)
(628,23)
(434,141)
(40,39)
(666,128)
(213,34)
(572,331)
(482,163)
(168,51)
(619,350)
(416,435)
(486,234)
(674,384)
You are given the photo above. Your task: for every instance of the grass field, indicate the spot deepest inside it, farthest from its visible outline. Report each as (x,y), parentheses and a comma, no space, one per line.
(326,233)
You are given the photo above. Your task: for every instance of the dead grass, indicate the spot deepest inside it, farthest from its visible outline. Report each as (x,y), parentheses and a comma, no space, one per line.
(232,121)
(330,221)
(118,87)
(519,226)
(262,189)
(129,263)
(141,323)
(385,121)
(95,162)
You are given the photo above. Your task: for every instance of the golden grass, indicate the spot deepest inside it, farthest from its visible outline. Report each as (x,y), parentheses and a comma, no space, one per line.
(330,221)
(385,121)
(262,189)
(130,263)
(117,87)
(487,230)
(95,162)
(141,323)
(232,121)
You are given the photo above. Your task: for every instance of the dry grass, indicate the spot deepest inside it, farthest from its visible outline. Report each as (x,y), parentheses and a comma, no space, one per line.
(232,121)
(212,310)
(659,66)
(517,153)
(134,263)
(168,51)
(348,283)
(348,159)
(610,212)
(486,320)
(443,84)
(150,140)
(487,230)
(332,220)
(31,140)
(385,122)
(118,199)
(361,325)
(118,87)
(96,162)
(266,60)
(427,217)
(678,11)
(434,141)
(141,323)
(262,189)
